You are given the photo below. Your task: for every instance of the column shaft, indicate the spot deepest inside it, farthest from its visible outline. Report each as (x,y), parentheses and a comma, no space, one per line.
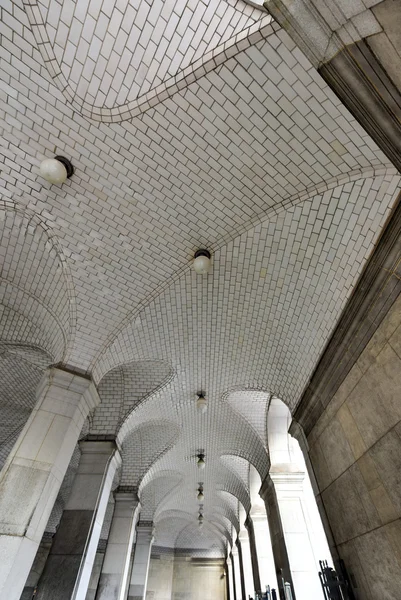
(254,555)
(227,575)
(69,565)
(264,550)
(241,569)
(233,579)
(237,574)
(247,564)
(140,566)
(33,473)
(113,582)
(293,514)
(230,579)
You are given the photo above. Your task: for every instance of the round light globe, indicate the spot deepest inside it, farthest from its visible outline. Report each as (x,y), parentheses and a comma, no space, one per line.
(202,262)
(53,170)
(201,405)
(201,497)
(201,463)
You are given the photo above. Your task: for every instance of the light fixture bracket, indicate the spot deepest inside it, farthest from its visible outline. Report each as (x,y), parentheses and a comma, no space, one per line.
(202,252)
(67,164)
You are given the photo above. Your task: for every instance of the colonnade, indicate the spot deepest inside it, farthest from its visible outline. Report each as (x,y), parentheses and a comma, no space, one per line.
(277,538)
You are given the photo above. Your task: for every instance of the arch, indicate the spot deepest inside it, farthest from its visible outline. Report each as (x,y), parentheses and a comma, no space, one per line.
(239,465)
(168,527)
(283,448)
(37,302)
(140,95)
(143,410)
(156,493)
(144,446)
(125,388)
(21,369)
(121,345)
(252,404)
(206,539)
(230,507)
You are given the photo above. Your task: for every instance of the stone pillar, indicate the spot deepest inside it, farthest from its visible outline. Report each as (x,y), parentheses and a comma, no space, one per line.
(254,554)
(227,576)
(237,574)
(320,533)
(140,566)
(69,565)
(37,568)
(286,490)
(233,579)
(33,473)
(230,578)
(241,568)
(113,582)
(246,564)
(264,551)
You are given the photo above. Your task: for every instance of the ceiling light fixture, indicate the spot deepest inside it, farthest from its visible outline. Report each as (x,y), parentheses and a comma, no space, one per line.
(200,495)
(201,403)
(201,461)
(202,261)
(57,169)
(200,520)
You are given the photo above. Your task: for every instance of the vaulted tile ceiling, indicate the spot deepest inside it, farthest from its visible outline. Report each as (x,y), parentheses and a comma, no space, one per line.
(189,125)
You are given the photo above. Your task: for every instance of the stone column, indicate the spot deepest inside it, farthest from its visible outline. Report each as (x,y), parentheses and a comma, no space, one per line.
(264,550)
(246,564)
(113,582)
(230,578)
(33,473)
(288,491)
(69,565)
(241,568)
(227,575)
(233,579)
(254,554)
(37,568)
(140,566)
(237,574)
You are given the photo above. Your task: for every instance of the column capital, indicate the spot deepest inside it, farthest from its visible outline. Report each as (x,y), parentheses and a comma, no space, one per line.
(126,494)
(288,480)
(297,432)
(243,536)
(72,382)
(97,447)
(145,530)
(248,522)
(266,488)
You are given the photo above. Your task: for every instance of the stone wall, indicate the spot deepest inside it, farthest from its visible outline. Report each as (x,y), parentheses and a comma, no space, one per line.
(182,578)
(355,451)
(160,578)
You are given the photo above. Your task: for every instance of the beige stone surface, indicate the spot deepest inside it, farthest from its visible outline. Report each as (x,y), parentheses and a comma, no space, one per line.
(384,506)
(351,431)
(386,455)
(375,401)
(387,44)
(320,466)
(368,471)
(336,449)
